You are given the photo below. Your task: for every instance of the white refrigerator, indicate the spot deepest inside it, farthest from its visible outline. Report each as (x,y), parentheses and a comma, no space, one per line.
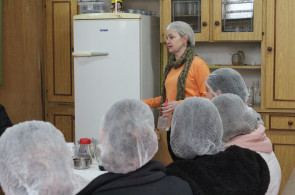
(116,56)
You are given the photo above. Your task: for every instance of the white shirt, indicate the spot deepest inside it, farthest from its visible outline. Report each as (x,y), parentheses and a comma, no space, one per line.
(274,171)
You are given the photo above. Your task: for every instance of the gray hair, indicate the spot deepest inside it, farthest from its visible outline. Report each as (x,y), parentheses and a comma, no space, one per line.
(129,140)
(237,118)
(183,29)
(196,128)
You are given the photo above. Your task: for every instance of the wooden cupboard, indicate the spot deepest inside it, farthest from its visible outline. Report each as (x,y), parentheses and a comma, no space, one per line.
(210,25)
(279,49)
(59,67)
(62,116)
(281,131)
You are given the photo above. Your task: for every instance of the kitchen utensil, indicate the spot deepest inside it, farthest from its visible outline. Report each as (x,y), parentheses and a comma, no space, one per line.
(81,163)
(164,122)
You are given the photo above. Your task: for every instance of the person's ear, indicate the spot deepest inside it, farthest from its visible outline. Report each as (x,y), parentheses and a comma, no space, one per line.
(186,38)
(218,92)
(102,136)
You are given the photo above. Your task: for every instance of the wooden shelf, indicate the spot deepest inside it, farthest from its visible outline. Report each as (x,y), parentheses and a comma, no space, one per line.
(189,15)
(216,66)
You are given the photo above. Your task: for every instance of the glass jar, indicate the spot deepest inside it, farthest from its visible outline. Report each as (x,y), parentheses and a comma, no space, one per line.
(119,6)
(84,149)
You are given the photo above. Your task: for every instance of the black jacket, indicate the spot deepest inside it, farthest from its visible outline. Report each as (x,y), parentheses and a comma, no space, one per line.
(233,171)
(150,179)
(4,120)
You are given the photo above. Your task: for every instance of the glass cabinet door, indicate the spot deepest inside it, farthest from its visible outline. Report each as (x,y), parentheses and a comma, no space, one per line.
(237,20)
(237,15)
(195,13)
(189,12)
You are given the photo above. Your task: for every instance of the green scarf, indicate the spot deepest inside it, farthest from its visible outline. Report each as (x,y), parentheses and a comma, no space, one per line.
(186,57)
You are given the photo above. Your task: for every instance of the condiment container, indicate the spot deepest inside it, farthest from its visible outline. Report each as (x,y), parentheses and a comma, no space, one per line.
(84,149)
(119,6)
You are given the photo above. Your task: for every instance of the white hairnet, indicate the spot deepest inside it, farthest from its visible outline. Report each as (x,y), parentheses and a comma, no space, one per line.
(237,118)
(196,128)
(183,29)
(129,140)
(34,159)
(228,80)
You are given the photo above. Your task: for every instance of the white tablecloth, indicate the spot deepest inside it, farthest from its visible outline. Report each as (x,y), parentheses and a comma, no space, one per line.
(91,173)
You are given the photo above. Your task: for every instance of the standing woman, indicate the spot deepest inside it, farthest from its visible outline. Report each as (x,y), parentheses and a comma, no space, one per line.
(185,73)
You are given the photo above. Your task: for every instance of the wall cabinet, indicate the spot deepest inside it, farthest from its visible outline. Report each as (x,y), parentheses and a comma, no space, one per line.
(218,20)
(59,69)
(279,50)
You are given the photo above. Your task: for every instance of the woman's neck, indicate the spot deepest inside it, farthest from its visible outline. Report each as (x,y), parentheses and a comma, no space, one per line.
(180,53)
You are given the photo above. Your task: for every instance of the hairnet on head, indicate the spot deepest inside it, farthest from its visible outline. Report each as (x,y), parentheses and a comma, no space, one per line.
(228,80)
(183,29)
(237,118)
(35,159)
(196,128)
(129,140)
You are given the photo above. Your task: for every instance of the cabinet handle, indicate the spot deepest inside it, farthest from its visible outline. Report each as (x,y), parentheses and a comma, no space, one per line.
(290,122)
(204,23)
(217,23)
(269,49)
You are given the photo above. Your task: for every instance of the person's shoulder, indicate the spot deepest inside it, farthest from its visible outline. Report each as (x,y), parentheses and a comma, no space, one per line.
(199,63)
(198,60)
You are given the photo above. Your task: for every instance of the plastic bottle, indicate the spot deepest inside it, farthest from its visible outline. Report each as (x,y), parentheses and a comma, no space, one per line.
(119,6)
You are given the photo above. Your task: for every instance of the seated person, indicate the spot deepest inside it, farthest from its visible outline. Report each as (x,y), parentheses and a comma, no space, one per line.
(241,128)
(35,159)
(128,143)
(227,80)
(196,136)
(4,120)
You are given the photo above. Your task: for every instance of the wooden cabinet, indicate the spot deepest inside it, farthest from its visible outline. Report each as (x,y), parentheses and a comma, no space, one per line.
(281,131)
(279,49)
(62,117)
(219,34)
(59,45)
(209,22)
(59,67)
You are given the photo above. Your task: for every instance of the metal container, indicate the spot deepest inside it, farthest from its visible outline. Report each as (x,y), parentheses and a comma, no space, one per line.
(81,163)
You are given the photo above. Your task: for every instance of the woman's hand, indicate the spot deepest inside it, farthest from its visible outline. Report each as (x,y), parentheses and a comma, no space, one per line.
(169,109)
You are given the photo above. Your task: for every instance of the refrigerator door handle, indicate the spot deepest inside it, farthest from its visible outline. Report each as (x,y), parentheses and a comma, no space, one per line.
(89,54)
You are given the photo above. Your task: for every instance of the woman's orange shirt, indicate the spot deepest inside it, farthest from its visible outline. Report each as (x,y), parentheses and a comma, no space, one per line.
(194,86)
